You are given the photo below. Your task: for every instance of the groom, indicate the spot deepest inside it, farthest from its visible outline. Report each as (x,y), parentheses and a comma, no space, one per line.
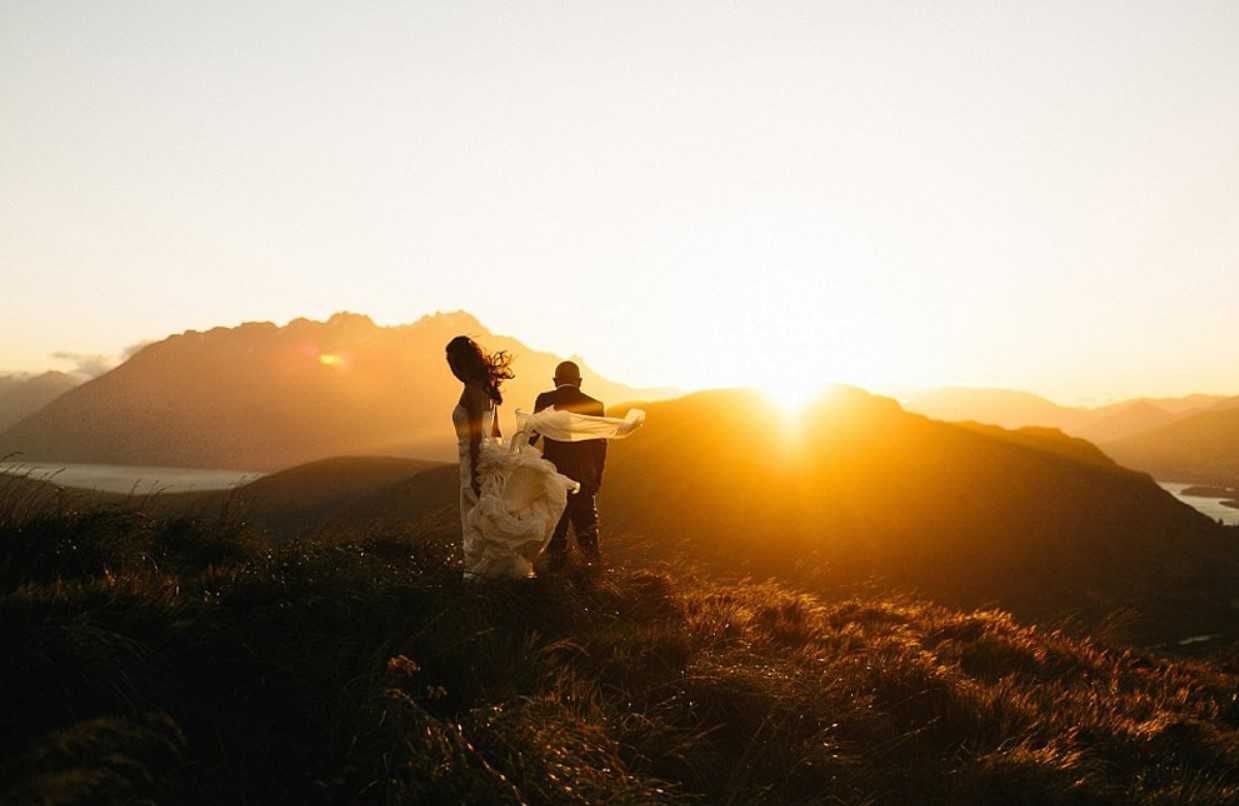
(580,461)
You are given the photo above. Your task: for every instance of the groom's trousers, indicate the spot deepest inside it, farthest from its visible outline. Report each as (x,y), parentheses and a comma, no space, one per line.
(582,515)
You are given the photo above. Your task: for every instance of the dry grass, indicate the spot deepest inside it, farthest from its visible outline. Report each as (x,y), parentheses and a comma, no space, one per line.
(183,661)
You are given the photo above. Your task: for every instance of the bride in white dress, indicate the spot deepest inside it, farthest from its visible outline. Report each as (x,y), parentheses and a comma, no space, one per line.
(510,497)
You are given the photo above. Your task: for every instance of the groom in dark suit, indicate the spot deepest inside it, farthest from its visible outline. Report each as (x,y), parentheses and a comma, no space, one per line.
(580,461)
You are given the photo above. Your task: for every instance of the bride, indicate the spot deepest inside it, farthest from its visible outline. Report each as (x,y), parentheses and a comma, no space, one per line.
(510,498)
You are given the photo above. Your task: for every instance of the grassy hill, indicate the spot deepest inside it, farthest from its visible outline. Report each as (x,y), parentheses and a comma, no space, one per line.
(344,491)
(191,661)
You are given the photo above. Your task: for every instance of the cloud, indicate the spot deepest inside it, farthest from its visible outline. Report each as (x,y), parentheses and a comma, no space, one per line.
(133,349)
(92,365)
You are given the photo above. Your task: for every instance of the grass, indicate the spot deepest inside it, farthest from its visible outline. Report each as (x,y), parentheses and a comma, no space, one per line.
(188,660)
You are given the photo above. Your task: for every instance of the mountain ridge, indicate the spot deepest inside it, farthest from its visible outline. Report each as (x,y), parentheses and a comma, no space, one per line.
(260,396)
(1126,428)
(1200,448)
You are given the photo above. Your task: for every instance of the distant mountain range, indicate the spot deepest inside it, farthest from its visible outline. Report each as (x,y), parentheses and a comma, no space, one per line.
(261,397)
(1192,438)
(1201,448)
(23,395)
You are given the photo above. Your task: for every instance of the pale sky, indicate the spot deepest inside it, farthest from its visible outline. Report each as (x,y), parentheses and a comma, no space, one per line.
(1042,196)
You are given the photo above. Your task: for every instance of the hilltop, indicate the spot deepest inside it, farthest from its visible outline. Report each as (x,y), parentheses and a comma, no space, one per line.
(262,397)
(190,661)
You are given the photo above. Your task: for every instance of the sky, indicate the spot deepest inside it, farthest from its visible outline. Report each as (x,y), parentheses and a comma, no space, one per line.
(1041,196)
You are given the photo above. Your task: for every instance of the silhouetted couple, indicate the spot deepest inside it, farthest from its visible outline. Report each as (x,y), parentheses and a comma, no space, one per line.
(517,502)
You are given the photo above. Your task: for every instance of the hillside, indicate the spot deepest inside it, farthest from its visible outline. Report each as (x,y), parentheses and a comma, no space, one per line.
(866,488)
(262,397)
(1201,448)
(188,661)
(22,396)
(1050,440)
(345,493)
(1037,522)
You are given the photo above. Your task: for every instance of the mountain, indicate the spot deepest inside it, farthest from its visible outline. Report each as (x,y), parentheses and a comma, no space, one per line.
(23,395)
(261,397)
(1201,448)
(1102,425)
(1007,408)
(1187,403)
(1116,422)
(1028,519)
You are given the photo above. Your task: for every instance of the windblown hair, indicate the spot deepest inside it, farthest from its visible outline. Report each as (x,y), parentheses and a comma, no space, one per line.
(469,362)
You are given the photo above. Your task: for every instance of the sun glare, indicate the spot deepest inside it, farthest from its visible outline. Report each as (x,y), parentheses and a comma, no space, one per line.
(330,360)
(791,399)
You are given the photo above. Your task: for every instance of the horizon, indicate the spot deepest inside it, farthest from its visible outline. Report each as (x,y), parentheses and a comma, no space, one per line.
(90,366)
(884,197)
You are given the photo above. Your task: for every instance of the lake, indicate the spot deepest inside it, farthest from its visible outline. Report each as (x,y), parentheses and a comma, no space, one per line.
(1210,506)
(131,478)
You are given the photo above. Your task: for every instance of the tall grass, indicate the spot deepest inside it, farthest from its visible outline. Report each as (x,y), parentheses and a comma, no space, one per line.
(190,661)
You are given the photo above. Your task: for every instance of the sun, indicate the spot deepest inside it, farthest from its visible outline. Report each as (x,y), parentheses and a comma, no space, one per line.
(792,398)
(330,360)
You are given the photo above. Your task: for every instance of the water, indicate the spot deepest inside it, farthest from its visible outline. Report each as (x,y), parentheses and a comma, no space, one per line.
(131,478)
(1210,506)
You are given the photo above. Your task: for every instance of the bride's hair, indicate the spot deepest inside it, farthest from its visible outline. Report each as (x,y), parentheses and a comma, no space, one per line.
(469,362)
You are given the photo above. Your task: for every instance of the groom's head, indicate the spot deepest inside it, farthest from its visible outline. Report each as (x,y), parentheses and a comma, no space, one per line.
(567,374)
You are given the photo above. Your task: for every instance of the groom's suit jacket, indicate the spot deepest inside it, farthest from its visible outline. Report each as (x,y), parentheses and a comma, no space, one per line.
(579,461)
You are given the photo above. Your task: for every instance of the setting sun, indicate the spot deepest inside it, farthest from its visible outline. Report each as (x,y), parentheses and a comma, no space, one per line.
(792,398)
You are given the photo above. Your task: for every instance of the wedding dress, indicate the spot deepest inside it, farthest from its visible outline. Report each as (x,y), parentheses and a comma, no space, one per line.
(522,495)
